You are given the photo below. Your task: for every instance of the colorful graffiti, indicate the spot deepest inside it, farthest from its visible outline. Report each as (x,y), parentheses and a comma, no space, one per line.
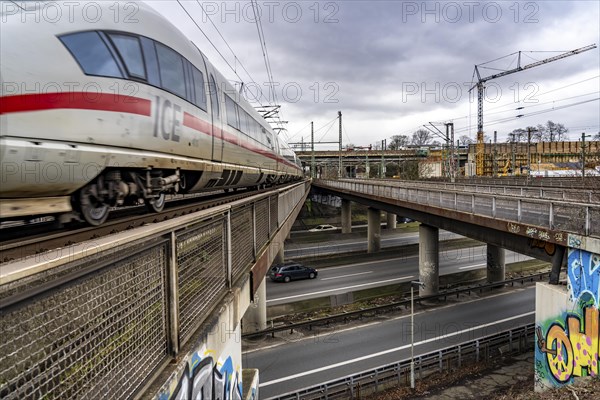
(584,275)
(569,343)
(205,379)
(571,349)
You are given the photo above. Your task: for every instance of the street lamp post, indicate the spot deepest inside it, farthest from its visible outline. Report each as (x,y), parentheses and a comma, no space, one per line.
(412,333)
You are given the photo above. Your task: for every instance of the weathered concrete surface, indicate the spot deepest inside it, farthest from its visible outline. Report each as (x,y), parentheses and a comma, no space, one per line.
(391,221)
(346,216)
(429,260)
(374,230)
(496,265)
(255,318)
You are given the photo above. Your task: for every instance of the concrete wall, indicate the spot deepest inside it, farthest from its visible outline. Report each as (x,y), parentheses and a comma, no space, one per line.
(212,368)
(567,324)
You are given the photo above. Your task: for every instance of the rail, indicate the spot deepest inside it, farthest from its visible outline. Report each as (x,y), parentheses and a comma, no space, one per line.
(386,307)
(562,215)
(514,341)
(104,316)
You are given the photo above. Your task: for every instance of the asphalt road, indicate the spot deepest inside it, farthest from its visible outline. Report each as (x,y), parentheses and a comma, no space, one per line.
(296,250)
(317,359)
(365,275)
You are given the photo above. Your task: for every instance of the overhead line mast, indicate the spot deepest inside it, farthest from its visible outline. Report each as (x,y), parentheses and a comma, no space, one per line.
(480,94)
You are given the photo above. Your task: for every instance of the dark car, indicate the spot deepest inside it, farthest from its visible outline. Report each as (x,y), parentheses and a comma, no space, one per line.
(290,271)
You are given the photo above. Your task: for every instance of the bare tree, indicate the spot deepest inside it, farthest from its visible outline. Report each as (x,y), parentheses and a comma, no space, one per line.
(465,140)
(553,132)
(421,137)
(398,141)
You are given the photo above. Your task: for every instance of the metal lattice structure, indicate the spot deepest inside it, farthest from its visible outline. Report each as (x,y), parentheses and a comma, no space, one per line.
(99,336)
(101,319)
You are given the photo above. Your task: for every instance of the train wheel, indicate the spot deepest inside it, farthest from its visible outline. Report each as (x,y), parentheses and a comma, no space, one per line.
(93,210)
(156,204)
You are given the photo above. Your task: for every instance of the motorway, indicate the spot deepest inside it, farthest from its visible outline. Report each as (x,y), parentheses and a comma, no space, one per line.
(365,275)
(316,359)
(343,246)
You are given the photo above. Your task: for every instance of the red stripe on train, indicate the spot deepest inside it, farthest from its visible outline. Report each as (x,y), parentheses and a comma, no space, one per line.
(75,100)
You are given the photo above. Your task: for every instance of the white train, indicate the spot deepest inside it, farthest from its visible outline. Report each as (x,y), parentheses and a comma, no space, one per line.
(104,104)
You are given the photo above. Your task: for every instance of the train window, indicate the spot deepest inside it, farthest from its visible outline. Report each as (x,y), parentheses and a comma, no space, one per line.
(171,70)
(131,53)
(151,61)
(91,53)
(214,96)
(231,108)
(199,85)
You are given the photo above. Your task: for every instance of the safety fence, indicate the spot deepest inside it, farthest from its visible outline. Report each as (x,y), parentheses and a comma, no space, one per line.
(101,318)
(563,215)
(587,194)
(512,342)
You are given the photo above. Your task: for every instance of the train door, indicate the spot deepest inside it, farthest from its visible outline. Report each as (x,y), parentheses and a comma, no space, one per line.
(217,127)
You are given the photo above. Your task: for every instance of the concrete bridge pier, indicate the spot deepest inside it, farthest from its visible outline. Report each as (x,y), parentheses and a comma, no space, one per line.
(346,216)
(391,221)
(279,257)
(429,260)
(373,230)
(255,318)
(496,265)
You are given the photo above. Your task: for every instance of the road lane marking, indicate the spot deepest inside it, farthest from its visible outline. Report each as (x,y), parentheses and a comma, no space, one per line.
(369,262)
(346,276)
(472,266)
(381,353)
(342,288)
(341,244)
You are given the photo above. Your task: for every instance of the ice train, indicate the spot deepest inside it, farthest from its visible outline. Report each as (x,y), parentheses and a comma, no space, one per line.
(101,109)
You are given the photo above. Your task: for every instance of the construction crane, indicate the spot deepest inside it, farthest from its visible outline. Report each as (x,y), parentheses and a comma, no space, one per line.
(479,149)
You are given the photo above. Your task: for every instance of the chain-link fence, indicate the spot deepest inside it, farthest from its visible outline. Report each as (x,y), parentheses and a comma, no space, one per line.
(109,314)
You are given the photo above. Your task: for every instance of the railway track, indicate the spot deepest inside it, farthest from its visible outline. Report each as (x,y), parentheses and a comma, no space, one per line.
(22,241)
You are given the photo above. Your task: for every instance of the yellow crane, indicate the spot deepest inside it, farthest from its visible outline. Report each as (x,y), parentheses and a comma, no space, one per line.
(479,148)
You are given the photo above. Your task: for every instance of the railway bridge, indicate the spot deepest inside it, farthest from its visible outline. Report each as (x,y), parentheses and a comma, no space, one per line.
(151,312)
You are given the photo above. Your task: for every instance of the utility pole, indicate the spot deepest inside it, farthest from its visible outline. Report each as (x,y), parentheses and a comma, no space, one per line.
(583,136)
(514,154)
(312,150)
(382,170)
(452,159)
(495,162)
(340,159)
(528,153)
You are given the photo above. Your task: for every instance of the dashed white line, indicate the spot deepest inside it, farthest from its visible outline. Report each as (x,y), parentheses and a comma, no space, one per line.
(341,289)
(346,276)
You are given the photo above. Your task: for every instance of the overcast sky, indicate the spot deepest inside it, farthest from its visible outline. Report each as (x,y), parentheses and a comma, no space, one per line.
(392,66)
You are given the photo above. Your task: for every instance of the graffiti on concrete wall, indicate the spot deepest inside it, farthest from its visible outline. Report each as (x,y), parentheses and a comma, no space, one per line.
(569,347)
(203,378)
(568,344)
(584,275)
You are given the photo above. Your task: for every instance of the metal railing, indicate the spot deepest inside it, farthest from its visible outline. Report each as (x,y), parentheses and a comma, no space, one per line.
(563,215)
(589,195)
(511,342)
(99,319)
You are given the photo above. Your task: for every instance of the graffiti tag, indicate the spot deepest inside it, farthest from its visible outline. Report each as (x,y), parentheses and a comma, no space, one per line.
(513,228)
(584,275)
(549,248)
(572,350)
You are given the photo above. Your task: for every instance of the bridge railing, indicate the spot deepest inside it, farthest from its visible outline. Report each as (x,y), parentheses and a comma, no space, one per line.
(101,318)
(560,215)
(589,194)
(514,341)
